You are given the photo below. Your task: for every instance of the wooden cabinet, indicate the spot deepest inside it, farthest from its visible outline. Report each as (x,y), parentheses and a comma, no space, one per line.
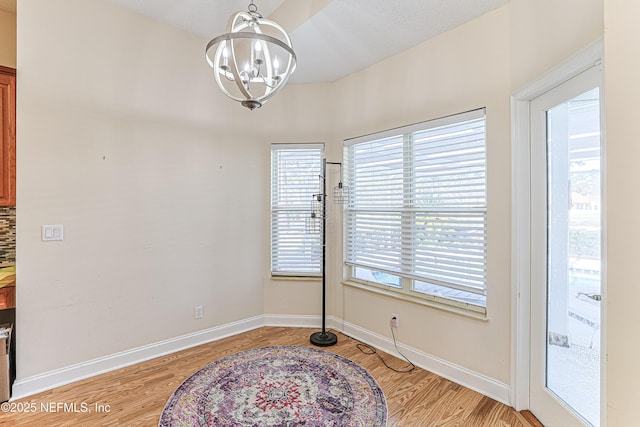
(8,296)
(7,136)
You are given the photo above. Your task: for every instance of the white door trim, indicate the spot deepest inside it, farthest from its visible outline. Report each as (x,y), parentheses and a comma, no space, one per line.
(521,209)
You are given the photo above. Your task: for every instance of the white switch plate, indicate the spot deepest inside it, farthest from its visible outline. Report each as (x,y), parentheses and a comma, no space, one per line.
(52,232)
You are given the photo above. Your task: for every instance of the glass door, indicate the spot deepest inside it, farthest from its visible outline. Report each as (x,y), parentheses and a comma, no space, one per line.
(566,253)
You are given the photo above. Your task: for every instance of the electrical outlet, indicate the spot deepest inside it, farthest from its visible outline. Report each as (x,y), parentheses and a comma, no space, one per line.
(395,321)
(198,312)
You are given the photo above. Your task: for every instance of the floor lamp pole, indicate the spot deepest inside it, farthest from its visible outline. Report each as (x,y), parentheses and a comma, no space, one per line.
(324,338)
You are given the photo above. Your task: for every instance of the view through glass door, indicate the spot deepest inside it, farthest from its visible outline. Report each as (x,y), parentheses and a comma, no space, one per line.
(566,253)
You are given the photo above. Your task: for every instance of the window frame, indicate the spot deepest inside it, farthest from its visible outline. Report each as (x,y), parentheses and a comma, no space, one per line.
(406,288)
(298,207)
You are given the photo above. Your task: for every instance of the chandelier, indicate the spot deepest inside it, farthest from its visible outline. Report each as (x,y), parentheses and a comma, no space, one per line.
(253,60)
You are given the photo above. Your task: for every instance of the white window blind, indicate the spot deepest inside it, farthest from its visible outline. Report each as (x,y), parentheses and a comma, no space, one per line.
(416,220)
(295,178)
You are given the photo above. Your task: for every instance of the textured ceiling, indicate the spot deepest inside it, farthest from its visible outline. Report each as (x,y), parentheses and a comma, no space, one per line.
(332,38)
(337,37)
(349,35)
(206,18)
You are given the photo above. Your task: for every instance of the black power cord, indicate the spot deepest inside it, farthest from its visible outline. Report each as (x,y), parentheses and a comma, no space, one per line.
(367,349)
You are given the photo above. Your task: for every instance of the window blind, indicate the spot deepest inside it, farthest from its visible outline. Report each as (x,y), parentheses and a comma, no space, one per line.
(295,178)
(418,203)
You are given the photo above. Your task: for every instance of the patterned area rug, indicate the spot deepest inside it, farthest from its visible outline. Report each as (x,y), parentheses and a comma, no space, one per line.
(278,386)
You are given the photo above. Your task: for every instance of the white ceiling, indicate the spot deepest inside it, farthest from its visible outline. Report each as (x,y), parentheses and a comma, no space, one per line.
(349,35)
(343,37)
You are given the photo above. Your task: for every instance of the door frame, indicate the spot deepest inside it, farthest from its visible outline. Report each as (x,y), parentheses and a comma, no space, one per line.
(521,221)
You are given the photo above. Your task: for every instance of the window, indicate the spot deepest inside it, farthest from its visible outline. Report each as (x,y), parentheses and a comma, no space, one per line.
(295,178)
(416,220)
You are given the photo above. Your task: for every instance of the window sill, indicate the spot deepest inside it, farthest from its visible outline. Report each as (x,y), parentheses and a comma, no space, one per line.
(276,278)
(464,309)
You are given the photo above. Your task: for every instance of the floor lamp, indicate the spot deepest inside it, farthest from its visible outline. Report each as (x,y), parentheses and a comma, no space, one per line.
(325,338)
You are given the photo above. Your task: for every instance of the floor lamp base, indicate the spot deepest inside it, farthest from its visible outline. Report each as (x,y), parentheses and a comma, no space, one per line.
(323,339)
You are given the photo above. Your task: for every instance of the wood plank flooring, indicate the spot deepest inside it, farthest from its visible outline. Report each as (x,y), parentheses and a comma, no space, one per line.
(135,396)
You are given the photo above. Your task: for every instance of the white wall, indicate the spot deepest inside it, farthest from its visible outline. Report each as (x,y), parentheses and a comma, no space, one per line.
(622,151)
(160,182)
(124,141)
(546,32)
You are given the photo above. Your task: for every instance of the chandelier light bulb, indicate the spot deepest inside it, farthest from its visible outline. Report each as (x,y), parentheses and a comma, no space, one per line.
(225,61)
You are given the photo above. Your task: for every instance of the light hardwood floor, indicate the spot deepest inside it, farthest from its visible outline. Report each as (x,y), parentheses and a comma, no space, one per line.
(135,396)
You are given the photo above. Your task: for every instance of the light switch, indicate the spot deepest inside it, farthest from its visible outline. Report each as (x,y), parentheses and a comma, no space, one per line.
(52,232)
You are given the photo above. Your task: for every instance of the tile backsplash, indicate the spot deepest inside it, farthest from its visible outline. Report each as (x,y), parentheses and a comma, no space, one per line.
(7,235)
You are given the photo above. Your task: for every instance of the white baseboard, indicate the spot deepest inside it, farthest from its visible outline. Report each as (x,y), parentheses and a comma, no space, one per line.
(458,374)
(58,377)
(293,320)
(302,321)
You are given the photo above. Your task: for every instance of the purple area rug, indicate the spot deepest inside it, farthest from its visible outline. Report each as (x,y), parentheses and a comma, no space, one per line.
(278,387)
